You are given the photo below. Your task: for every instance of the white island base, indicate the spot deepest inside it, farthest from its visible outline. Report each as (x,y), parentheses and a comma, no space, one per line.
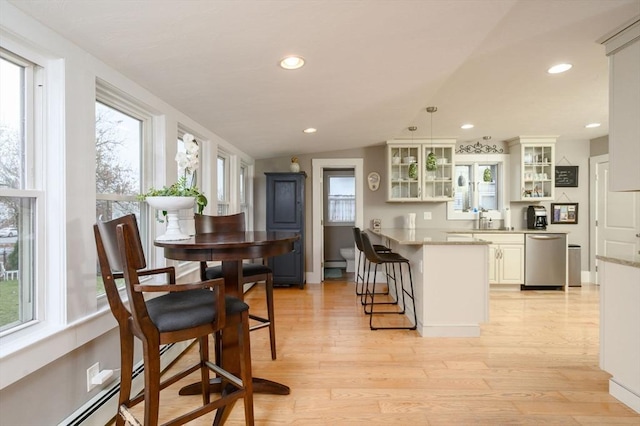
(450,277)
(620,327)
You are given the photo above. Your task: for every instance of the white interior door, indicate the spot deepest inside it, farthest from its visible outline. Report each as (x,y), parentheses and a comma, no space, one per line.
(617,218)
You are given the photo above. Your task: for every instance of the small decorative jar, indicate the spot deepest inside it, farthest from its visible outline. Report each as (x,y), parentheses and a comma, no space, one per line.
(294,166)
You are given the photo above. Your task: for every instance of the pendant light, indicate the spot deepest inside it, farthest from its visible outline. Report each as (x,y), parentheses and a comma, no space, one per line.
(432,162)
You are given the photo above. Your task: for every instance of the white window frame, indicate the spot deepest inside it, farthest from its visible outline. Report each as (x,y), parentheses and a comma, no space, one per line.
(480,159)
(32,189)
(226,201)
(46,185)
(117,99)
(244,182)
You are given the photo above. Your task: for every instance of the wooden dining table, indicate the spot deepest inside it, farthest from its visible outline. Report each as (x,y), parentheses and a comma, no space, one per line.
(231,248)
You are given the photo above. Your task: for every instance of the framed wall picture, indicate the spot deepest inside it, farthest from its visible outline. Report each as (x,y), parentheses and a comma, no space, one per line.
(564,213)
(566,176)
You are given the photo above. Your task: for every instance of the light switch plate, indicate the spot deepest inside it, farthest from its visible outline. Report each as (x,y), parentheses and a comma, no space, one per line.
(427,215)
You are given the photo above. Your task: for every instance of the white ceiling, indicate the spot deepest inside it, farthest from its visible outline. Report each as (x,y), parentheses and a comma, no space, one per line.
(372,66)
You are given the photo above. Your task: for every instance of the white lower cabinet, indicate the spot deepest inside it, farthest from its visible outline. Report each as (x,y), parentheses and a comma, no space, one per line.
(506,259)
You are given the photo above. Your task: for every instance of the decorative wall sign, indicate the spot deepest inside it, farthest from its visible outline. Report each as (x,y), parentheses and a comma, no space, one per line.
(564,213)
(567,176)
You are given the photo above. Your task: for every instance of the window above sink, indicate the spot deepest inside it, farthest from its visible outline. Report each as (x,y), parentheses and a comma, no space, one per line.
(480,184)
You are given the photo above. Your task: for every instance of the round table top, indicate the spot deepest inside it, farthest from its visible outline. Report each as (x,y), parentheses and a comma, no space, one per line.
(230,245)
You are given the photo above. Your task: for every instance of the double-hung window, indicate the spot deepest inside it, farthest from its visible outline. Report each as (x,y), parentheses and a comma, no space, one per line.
(243,192)
(479,182)
(21,194)
(341,196)
(223,183)
(121,130)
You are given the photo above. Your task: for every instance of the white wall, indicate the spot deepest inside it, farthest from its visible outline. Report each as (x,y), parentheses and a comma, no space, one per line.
(44,377)
(392,214)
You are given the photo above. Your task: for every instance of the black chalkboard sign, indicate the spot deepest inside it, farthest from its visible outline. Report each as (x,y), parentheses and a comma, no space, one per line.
(567,176)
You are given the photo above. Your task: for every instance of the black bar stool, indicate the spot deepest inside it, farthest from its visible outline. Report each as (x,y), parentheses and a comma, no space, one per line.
(362,260)
(390,260)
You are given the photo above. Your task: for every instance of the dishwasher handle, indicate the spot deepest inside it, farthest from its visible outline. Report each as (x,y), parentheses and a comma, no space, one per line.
(544,237)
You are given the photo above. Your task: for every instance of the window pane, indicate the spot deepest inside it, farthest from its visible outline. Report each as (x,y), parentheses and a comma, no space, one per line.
(222,181)
(17,261)
(223,186)
(118,168)
(12,119)
(17,233)
(342,199)
(476,187)
(487,177)
(118,142)
(190,175)
(464,183)
(243,184)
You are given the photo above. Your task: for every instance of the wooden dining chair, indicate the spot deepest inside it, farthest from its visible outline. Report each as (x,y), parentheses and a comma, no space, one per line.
(182,312)
(251,272)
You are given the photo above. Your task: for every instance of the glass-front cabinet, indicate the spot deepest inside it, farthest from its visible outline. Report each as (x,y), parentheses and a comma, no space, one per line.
(438,171)
(420,170)
(404,164)
(532,168)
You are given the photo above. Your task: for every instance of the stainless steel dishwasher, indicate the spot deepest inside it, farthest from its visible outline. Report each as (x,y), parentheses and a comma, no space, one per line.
(545,260)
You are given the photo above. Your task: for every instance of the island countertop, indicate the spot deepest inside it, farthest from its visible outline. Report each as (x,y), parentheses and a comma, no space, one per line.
(421,236)
(632,261)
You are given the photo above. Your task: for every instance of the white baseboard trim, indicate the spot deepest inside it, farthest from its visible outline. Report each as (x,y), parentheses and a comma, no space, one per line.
(102,408)
(624,395)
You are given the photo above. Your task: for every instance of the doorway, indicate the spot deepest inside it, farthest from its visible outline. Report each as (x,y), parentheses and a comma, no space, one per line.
(339,215)
(616,217)
(318,183)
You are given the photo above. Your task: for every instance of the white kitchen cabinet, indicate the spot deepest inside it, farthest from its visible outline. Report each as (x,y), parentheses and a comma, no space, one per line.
(506,260)
(438,171)
(420,170)
(532,168)
(623,50)
(404,174)
(620,328)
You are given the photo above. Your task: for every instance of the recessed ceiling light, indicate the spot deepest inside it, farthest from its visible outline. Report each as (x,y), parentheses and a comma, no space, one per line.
(467,126)
(292,62)
(310,130)
(592,125)
(556,69)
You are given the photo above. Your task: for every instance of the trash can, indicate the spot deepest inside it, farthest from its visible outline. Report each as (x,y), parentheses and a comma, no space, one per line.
(574,265)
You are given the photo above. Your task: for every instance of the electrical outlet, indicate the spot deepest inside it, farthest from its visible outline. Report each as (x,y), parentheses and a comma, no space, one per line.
(92,371)
(427,216)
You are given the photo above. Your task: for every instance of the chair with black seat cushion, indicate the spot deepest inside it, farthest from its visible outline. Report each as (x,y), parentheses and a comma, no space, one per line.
(182,312)
(390,260)
(251,272)
(362,260)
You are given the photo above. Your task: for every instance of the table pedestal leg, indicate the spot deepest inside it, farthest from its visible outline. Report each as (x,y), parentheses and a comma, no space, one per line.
(259,386)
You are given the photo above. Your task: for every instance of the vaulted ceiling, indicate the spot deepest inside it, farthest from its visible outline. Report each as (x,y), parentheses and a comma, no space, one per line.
(372,67)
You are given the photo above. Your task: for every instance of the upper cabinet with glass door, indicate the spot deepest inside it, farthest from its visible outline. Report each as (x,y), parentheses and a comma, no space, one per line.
(532,168)
(420,170)
(404,171)
(439,166)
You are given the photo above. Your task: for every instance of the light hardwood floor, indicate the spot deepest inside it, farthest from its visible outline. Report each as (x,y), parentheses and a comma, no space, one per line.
(535,363)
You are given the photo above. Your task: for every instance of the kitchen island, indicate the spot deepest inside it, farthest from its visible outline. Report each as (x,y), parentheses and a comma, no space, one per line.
(620,326)
(450,276)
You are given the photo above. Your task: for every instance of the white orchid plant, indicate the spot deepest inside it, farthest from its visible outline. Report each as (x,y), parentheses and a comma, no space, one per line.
(188,161)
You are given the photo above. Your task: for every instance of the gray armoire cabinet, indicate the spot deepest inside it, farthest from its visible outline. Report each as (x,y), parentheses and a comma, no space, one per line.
(285,212)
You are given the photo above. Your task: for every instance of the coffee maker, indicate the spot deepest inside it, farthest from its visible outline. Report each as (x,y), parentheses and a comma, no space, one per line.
(537,217)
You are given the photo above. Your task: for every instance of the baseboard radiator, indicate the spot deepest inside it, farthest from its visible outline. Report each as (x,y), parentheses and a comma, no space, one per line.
(101,409)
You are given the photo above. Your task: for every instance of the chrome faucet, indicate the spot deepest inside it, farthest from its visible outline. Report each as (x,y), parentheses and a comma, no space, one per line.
(482,220)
